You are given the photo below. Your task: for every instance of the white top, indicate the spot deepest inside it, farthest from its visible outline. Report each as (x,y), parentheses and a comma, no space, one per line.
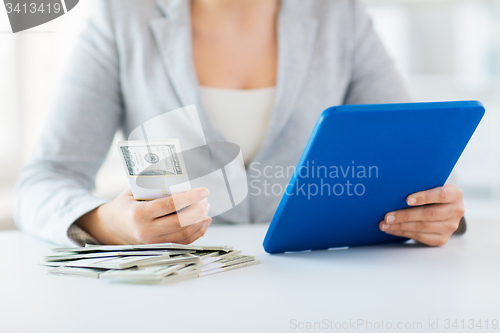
(242,116)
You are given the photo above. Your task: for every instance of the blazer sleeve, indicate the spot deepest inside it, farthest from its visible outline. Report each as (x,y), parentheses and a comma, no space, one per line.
(55,186)
(462,226)
(374,77)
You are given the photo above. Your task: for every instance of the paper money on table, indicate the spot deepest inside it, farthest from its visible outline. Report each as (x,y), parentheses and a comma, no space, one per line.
(77,271)
(150,273)
(226,262)
(106,263)
(113,248)
(228,268)
(155,168)
(75,255)
(146,263)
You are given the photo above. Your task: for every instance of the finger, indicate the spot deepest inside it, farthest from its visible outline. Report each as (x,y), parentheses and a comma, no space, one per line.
(173,203)
(428,239)
(195,213)
(436,212)
(127,194)
(444,194)
(181,235)
(440,227)
(197,234)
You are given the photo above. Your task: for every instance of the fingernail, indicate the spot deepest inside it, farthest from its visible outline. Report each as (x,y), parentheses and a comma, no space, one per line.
(385,226)
(208,208)
(412,201)
(205,200)
(391,218)
(204,193)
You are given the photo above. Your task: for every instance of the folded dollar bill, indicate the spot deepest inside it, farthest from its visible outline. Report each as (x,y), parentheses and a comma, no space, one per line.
(155,169)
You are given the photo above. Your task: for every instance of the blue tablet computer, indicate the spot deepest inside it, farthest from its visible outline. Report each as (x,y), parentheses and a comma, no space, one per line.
(361,162)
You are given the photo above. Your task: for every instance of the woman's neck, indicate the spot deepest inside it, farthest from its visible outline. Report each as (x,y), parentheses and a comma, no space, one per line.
(235,43)
(240,14)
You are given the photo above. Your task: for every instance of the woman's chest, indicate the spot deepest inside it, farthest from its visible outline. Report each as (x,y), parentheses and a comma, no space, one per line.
(231,61)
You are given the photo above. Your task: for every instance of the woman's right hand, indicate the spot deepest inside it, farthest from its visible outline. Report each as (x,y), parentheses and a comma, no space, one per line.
(180,218)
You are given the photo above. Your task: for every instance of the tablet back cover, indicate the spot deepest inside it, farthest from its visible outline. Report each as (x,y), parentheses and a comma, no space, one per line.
(361,162)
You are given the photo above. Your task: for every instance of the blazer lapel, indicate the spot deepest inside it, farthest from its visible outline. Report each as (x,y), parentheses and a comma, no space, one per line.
(296,39)
(172,34)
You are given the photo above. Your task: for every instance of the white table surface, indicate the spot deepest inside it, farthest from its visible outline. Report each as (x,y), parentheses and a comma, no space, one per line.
(394,283)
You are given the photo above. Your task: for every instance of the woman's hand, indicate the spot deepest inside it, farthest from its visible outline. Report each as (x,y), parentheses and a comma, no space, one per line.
(180,218)
(435,219)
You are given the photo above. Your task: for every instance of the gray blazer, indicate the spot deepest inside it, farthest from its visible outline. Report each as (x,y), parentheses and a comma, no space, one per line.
(133,62)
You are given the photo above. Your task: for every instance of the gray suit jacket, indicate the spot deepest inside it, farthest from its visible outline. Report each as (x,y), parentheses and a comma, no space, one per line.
(133,62)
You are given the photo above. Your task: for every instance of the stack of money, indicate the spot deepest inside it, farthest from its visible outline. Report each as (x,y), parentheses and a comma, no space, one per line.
(163,263)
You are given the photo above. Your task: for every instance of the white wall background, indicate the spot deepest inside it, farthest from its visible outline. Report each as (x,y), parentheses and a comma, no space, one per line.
(447,50)
(450,50)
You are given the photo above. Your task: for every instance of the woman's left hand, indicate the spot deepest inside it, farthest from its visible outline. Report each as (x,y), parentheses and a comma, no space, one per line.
(435,219)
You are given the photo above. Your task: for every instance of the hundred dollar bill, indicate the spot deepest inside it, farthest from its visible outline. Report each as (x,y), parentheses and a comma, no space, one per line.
(155,169)
(228,268)
(179,248)
(150,273)
(226,262)
(183,259)
(152,158)
(224,248)
(110,263)
(77,271)
(104,254)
